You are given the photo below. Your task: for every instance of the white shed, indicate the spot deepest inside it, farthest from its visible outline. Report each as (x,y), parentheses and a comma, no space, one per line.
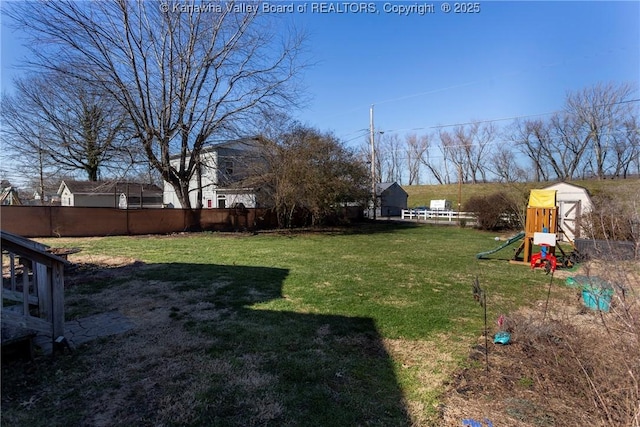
(573,201)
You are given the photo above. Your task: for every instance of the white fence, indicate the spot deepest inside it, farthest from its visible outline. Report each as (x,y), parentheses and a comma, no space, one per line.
(437,215)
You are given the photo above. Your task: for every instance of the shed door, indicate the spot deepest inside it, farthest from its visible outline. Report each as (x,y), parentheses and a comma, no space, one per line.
(569,219)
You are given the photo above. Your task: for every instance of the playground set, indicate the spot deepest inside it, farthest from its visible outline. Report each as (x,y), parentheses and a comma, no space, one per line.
(541,228)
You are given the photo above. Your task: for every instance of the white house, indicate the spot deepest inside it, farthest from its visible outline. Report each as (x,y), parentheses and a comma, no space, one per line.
(572,201)
(224,166)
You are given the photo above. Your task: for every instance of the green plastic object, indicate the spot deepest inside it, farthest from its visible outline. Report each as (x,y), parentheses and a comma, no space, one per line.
(509,241)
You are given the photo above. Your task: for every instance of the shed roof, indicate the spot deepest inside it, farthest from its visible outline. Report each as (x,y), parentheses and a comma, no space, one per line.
(566,192)
(566,185)
(381,187)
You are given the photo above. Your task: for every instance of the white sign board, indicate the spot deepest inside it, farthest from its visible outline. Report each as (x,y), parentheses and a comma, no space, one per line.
(544,239)
(440,205)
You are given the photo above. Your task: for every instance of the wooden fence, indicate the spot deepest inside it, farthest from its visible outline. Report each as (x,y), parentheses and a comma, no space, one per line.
(59,221)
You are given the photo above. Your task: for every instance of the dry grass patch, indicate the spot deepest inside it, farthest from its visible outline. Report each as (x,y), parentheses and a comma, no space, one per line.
(426,364)
(566,365)
(201,354)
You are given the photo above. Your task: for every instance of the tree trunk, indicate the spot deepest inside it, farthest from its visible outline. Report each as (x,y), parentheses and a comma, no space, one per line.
(192,220)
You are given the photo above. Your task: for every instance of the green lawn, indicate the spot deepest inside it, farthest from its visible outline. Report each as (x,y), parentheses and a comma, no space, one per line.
(349,327)
(390,273)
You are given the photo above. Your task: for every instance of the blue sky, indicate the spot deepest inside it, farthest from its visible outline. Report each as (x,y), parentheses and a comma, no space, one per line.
(510,59)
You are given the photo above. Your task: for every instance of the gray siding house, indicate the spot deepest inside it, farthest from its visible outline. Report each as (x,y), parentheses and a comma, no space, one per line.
(391,199)
(109,194)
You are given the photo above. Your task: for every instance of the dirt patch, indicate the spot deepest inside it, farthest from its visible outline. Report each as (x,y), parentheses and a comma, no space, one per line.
(92,268)
(565,365)
(102,260)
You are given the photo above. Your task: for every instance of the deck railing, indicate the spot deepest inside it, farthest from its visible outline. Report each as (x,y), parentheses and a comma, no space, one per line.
(32,287)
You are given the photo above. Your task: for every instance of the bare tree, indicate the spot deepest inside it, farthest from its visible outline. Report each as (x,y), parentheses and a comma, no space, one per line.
(391,155)
(183,72)
(66,124)
(455,154)
(533,139)
(504,165)
(597,114)
(475,139)
(567,147)
(626,148)
(416,147)
(593,134)
(468,148)
(29,163)
(439,170)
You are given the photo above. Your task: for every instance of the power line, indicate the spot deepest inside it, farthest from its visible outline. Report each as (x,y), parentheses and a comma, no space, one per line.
(497,120)
(497,141)
(491,78)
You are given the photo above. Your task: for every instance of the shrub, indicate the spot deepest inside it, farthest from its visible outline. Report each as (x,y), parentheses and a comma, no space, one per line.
(612,219)
(493,212)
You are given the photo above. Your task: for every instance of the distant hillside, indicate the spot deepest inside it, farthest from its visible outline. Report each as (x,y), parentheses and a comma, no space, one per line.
(421,195)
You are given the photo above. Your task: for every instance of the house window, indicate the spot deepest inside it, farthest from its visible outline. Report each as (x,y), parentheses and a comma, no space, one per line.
(222,202)
(228,167)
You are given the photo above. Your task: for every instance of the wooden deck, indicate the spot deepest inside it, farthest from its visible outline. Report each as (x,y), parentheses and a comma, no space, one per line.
(32,290)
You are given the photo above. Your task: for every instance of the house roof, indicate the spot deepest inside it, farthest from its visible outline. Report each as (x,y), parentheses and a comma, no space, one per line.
(108,187)
(381,187)
(9,196)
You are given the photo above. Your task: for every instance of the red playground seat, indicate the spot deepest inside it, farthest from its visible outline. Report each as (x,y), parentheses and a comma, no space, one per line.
(544,258)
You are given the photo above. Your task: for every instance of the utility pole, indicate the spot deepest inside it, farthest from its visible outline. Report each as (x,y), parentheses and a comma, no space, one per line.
(373,161)
(459,191)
